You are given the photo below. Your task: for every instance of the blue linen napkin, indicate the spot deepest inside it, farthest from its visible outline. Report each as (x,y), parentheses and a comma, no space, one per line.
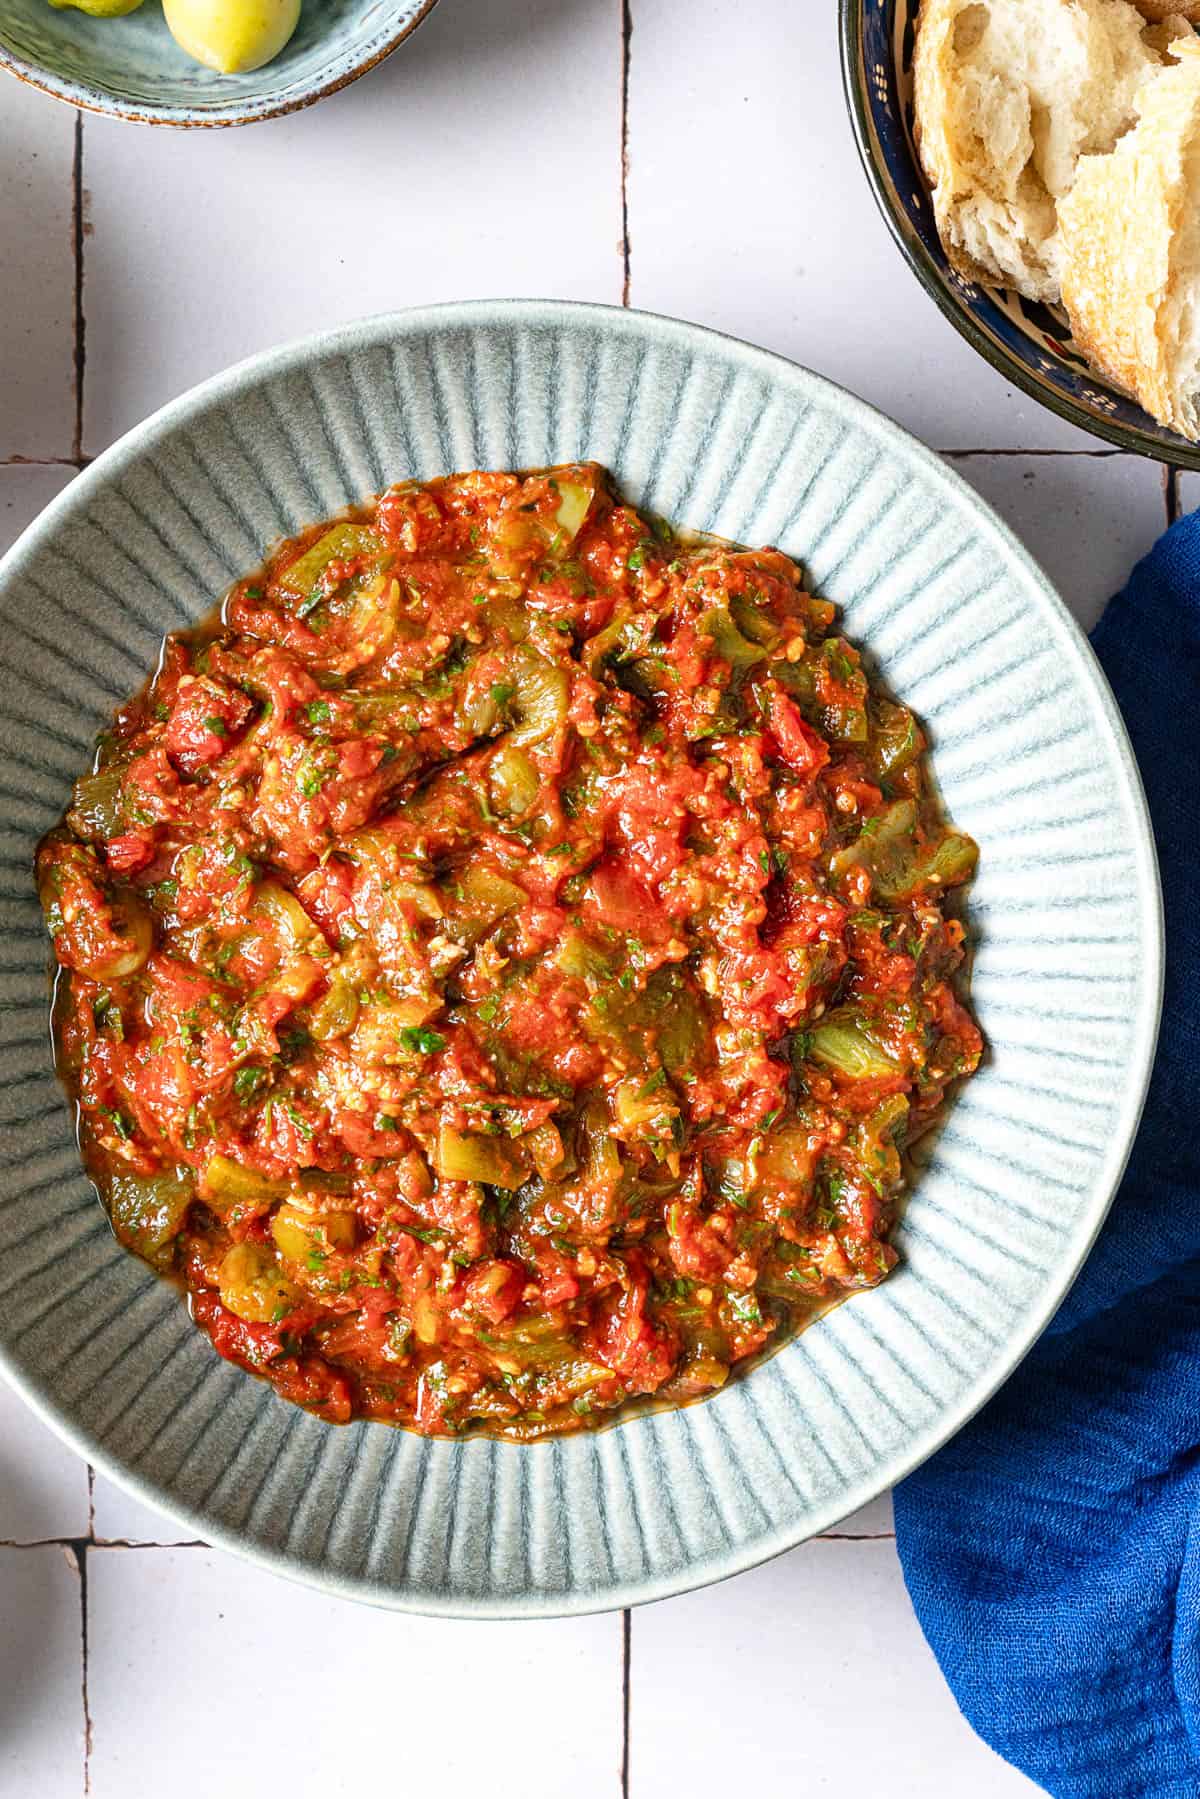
(1052,1549)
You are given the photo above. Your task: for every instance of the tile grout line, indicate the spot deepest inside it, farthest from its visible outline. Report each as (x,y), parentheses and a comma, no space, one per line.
(87,1698)
(963,455)
(80,323)
(854,1536)
(145,1543)
(626,42)
(71,462)
(93,1542)
(77,1548)
(626,1658)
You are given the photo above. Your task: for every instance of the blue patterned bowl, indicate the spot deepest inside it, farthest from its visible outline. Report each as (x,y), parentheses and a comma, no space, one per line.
(1030,344)
(132,68)
(1032,759)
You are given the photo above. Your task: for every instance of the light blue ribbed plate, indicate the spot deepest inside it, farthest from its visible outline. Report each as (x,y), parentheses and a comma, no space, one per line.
(1033,761)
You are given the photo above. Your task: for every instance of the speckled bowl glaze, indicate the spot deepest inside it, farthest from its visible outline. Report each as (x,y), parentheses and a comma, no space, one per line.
(132,68)
(1030,344)
(1032,758)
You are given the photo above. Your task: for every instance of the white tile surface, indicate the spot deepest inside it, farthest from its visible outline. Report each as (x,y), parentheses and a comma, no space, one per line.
(873,1520)
(43,1484)
(119,1518)
(37,275)
(826,1686)
(481,160)
(1086,519)
(256,1685)
(1189,492)
(41,1675)
(485,159)
(748,211)
(24,489)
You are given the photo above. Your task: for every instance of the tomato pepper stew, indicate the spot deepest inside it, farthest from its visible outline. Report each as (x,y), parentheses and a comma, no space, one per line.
(504,957)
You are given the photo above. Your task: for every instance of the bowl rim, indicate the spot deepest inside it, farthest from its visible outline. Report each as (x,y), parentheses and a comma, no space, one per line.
(98,100)
(1146,1006)
(1174,451)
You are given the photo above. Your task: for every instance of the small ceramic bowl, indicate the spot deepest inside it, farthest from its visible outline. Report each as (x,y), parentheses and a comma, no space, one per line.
(1032,759)
(132,68)
(1030,344)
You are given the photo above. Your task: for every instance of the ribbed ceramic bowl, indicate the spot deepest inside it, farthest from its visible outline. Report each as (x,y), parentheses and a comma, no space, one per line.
(132,68)
(1030,344)
(1033,761)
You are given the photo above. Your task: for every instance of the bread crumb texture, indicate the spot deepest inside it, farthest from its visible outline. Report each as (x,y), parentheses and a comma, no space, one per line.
(1131,250)
(1009,95)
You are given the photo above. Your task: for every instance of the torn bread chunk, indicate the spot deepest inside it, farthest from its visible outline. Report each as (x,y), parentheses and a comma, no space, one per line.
(1131,250)
(1009,94)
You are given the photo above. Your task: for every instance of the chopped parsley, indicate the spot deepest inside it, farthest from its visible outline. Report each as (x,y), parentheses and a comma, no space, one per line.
(248,1083)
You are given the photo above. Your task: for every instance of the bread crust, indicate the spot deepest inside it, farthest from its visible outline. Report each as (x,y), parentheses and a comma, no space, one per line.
(1118,225)
(933,76)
